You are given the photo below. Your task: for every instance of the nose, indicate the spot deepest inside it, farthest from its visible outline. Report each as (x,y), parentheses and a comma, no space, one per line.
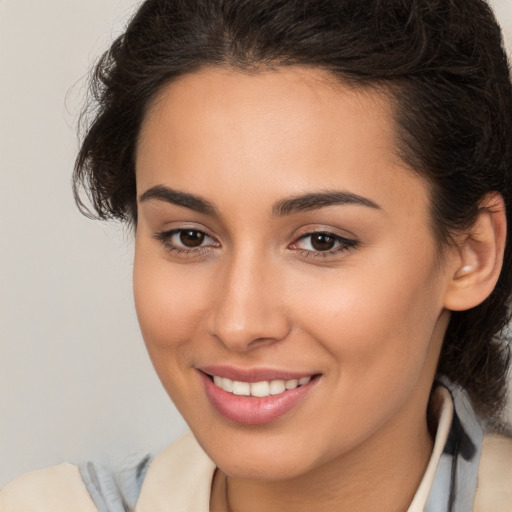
(248,308)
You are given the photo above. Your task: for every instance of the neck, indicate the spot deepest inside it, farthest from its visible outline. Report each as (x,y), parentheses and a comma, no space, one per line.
(381,475)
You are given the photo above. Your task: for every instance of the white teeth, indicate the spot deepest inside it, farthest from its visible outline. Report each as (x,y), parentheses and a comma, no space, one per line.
(227,385)
(277,387)
(291,384)
(258,389)
(241,388)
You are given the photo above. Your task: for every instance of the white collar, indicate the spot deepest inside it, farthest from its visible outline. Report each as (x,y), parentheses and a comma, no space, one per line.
(442,408)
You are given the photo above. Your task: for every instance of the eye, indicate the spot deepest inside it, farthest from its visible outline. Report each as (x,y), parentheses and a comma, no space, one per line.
(191,237)
(186,240)
(319,242)
(322,243)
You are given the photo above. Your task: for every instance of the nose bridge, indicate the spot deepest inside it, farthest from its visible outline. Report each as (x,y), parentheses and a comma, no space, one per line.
(247,307)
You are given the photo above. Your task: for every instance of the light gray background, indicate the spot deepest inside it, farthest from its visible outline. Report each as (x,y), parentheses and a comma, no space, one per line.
(75,380)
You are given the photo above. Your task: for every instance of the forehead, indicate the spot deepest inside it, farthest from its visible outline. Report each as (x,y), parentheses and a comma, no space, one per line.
(293,101)
(277,133)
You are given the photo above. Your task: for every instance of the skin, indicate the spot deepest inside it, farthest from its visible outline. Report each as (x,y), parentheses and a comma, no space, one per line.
(370,318)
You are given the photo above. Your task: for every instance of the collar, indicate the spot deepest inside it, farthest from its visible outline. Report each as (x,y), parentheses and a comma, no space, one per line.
(442,409)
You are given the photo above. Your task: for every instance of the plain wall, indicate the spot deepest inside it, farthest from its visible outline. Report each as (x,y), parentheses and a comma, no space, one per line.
(76,382)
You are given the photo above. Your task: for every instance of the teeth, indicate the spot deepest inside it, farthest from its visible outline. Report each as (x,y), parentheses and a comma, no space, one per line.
(227,385)
(291,384)
(258,389)
(277,387)
(241,388)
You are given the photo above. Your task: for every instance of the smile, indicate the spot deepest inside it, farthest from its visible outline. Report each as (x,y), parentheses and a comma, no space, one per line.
(258,396)
(260,389)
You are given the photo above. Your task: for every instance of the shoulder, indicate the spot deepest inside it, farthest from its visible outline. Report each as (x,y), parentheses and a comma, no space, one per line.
(475,468)
(180,475)
(67,487)
(494,488)
(56,489)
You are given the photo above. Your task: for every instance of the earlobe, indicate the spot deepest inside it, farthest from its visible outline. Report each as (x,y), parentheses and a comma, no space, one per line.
(480,256)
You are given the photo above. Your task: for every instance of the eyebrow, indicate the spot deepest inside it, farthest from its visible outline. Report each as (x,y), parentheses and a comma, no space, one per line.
(308,202)
(168,195)
(300,203)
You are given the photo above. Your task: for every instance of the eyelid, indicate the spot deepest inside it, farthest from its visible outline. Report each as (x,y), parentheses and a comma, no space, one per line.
(337,238)
(342,243)
(165,238)
(313,229)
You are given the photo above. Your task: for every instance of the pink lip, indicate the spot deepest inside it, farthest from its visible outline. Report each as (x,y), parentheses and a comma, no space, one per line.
(249,410)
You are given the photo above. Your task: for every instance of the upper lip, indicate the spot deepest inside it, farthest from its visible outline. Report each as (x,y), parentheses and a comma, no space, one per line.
(253,374)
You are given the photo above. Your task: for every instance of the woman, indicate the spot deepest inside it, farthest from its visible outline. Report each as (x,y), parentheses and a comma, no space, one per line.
(320,194)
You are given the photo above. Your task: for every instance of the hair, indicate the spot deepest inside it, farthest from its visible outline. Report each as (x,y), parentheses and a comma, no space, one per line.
(441,62)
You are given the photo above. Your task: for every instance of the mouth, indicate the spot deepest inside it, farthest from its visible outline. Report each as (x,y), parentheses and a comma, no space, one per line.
(259,389)
(255,397)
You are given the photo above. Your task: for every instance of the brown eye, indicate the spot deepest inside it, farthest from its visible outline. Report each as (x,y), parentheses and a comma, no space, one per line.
(192,238)
(322,242)
(187,242)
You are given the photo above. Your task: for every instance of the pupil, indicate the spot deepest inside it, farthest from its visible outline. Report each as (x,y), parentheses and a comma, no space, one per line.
(191,238)
(322,242)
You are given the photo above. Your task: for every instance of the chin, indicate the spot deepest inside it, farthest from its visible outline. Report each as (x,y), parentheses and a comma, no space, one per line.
(253,455)
(270,469)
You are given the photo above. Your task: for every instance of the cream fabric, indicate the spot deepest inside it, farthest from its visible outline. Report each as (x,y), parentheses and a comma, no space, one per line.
(178,479)
(494,490)
(56,489)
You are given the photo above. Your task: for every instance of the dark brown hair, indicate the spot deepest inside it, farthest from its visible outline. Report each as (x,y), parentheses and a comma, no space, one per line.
(441,61)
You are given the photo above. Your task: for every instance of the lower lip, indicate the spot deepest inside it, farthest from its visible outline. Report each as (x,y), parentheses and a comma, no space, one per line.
(250,410)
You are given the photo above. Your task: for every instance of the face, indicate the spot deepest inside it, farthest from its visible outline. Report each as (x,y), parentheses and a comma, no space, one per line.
(284,252)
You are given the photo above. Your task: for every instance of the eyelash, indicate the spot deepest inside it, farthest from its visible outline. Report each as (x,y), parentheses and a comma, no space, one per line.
(165,237)
(344,244)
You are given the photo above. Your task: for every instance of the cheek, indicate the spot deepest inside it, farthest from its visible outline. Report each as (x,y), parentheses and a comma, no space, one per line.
(376,323)
(170,309)
(169,303)
(377,331)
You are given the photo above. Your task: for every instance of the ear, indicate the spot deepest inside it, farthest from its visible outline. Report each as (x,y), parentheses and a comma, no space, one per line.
(477,267)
